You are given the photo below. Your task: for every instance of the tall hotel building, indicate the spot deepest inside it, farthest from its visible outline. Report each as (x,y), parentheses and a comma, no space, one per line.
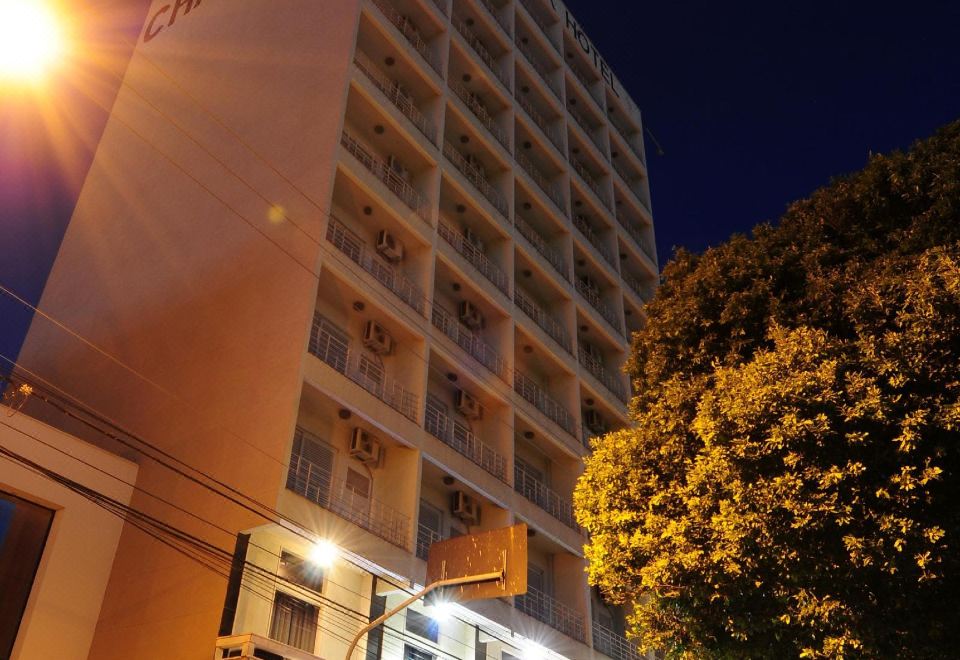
(375,265)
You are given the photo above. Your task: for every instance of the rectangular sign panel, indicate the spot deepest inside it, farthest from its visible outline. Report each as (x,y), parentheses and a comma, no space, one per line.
(475,554)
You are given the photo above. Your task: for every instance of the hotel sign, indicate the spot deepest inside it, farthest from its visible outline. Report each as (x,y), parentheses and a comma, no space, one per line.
(586,46)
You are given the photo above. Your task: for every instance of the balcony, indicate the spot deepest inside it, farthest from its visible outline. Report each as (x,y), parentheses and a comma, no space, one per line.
(456,435)
(481,50)
(637,234)
(393,179)
(468,341)
(527,484)
(552,612)
(646,292)
(395,94)
(533,393)
(410,31)
(476,257)
(584,123)
(626,132)
(479,111)
(539,20)
(538,65)
(592,296)
(553,256)
(321,487)
(425,538)
(552,132)
(613,645)
(331,345)
(627,177)
(546,322)
(471,170)
(356,250)
(551,191)
(594,365)
(502,22)
(589,179)
(584,228)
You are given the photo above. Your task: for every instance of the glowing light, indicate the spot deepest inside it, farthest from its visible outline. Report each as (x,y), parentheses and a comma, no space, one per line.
(533,651)
(324,553)
(276,214)
(30,39)
(440,611)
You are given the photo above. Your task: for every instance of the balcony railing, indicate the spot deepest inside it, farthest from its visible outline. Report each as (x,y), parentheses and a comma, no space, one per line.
(591,181)
(551,190)
(539,66)
(391,177)
(425,538)
(584,228)
(475,256)
(625,174)
(527,484)
(475,176)
(637,234)
(456,435)
(320,486)
(588,85)
(410,31)
(595,366)
(395,94)
(584,123)
(627,132)
(552,612)
(613,645)
(539,20)
(480,112)
(353,246)
(481,50)
(550,130)
(646,292)
(468,341)
(555,411)
(332,347)
(553,256)
(592,296)
(539,316)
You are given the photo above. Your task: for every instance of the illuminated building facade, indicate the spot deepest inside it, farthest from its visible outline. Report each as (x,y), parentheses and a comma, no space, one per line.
(374,264)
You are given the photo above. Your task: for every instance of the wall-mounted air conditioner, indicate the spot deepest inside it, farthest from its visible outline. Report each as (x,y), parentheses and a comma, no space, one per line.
(364,447)
(465,508)
(377,339)
(468,405)
(388,246)
(470,316)
(397,168)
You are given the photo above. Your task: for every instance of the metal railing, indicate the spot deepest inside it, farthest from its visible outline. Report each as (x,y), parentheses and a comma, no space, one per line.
(539,66)
(456,435)
(637,234)
(395,94)
(475,256)
(551,190)
(527,484)
(552,612)
(353,246)
(320,486)
(555,411)
(475,176)
(584,228)
(481,50)
(551,131)
(591,181)
(480,112)
(646,292)
(552,255)
(627,177)
(481,351)
(410,31)
(425,538)
(592,296)
(613,645)
(539,20)
(539,316)
(595,366)
(361,370)
(394,180)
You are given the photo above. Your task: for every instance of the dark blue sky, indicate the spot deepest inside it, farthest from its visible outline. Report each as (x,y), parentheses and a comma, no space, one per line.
(757,104)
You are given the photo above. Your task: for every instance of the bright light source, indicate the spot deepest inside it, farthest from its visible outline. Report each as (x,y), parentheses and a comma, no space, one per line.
(440,611)
(30,39)
(324,553)
(533,651)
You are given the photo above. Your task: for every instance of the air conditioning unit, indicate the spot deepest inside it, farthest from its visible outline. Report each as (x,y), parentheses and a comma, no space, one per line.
(397,168)
(465,508)
(594,421)
(364,447)
(468,405)
(471,237)
(470,316)
(377,339)
(388,246)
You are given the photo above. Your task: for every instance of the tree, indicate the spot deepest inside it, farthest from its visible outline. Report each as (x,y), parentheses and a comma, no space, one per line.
(790,485)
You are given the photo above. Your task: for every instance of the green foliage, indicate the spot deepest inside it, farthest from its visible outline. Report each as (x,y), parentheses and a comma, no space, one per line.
(791,485)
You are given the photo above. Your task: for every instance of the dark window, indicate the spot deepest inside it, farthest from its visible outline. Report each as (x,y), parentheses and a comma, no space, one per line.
(378,605)
(422,625)
(413,653)
(294,622)
(23,533)
(300,571)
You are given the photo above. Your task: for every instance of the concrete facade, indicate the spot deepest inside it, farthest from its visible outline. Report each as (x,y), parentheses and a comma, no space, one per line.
(312,225)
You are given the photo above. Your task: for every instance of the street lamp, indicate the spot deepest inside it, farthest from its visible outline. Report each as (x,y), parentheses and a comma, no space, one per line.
(31,39)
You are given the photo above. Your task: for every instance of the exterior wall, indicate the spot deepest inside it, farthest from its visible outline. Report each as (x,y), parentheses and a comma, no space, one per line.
(65,601)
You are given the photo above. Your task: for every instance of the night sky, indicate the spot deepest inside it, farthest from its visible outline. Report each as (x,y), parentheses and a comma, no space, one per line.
(755,104)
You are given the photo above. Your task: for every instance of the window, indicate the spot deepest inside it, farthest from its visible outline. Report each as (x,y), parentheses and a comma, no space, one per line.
(430,529)
(299,571)
(413,653)
(311,467)
(358,484)
(329,343)
(294,622)
(423,626)
(23,535)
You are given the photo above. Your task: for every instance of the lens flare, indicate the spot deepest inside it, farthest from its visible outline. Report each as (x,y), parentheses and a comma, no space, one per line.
(324,553)
(31,40)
